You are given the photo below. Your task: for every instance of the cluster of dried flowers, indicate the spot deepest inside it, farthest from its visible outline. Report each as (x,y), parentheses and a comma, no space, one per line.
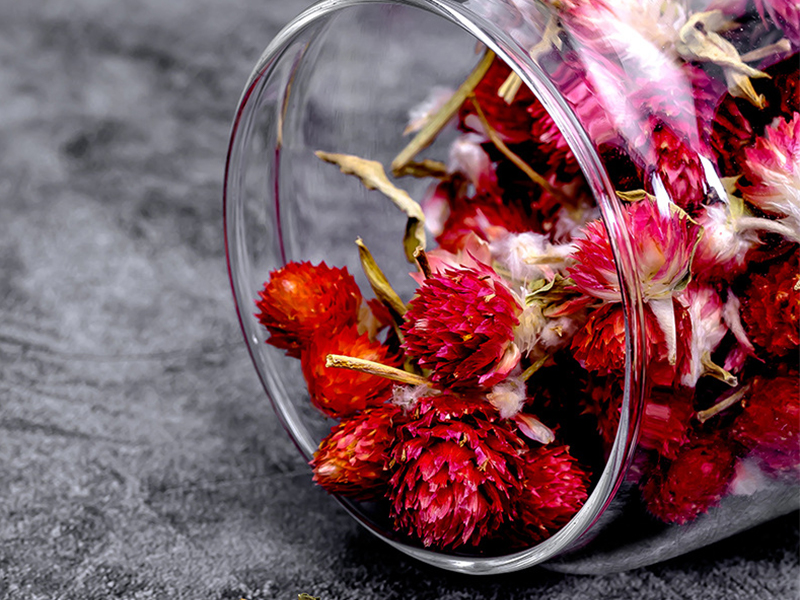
(465,407)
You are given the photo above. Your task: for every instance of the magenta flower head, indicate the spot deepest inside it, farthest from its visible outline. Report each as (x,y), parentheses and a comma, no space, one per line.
(773,169)
(663,242)
(460,325)
(457,472)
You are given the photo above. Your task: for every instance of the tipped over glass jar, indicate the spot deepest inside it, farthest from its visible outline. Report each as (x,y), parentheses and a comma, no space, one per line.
(520,277)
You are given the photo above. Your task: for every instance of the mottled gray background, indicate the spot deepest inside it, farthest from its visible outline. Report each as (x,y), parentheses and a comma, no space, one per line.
(139,457)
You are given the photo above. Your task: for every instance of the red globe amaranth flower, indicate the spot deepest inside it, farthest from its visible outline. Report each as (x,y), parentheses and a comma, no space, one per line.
(668,414)
(599,346)
(339,392)
(549,140)
(731,133)
(696,480)
(769,426)
(461,326)
(511,121)
(457,472)
(488,218)
(771,308)
(665,421)
(301,298)
(554,487)
(353,459)
(678,167)
(662,243)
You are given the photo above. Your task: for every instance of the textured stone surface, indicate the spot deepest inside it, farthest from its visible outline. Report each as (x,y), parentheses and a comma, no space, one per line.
(139,457)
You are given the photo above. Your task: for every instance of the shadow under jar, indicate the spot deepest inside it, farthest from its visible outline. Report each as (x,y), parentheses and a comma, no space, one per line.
(595,361)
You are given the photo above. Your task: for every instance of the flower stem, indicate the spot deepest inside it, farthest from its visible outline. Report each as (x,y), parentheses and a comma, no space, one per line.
(514,158)
(438,120)
(705,415)
(422,262)
(528,373)
(714,370)
(373,368)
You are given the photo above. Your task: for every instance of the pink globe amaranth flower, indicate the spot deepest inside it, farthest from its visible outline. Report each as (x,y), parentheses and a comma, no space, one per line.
(663,246)
(353,459)
(722,250)
(773,170)
(554,487)
(549,140)
(769,425)
(457,472)
(341,392)
(771,308)
(300,299)
(696,480)
(460,325)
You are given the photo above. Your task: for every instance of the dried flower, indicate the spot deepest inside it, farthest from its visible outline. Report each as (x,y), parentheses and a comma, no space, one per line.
(457,472)
(511,121)
(663,245)
(771,308)
(599,346)
(342,392)
(461,325)
(773,169)
(353,459)
(696,480)
(678,167)
(769,426)
(554,487)
(300,299)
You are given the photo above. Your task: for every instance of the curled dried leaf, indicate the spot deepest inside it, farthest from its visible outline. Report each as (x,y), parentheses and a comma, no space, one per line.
(373,177)
(379,283)
(699,41)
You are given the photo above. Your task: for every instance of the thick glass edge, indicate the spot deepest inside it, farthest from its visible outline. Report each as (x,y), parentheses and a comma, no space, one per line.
(458,12)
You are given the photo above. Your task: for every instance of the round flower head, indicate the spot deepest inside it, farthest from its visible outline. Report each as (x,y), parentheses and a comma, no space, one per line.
(341,392)
(771,308)
(457,472)
(773,169)
(665,420)
(554,487)
(301,298)
(769,426)
(663,244)
(692,483)
(599,346)
(353,459)
(678,168)
(460,325)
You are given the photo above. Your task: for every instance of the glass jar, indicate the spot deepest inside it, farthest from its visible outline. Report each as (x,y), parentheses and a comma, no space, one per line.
(630,171)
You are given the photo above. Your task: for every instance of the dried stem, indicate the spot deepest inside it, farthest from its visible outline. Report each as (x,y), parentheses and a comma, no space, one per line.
(521,164)
(714,370)
(424,168)
(705,415)
(373,368)
(422,262)
(528,373)
(778,47)
(438,120)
